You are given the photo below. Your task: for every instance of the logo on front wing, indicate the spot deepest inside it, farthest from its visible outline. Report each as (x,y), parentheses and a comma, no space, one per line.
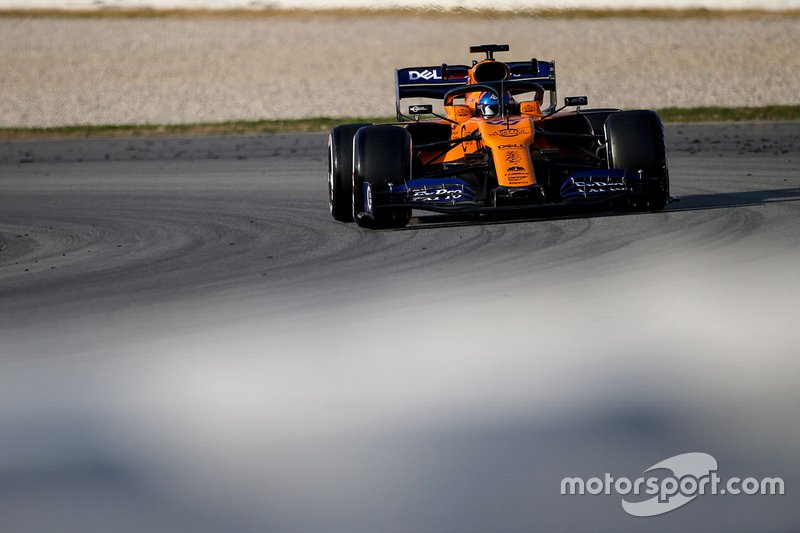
(437,195)
(599,186)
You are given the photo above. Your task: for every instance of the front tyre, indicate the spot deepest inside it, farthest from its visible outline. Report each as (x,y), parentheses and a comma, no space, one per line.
(340,171)
(381,160)
(635,143)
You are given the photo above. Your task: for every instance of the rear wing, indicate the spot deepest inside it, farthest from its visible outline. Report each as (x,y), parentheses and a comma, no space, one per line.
(429,82)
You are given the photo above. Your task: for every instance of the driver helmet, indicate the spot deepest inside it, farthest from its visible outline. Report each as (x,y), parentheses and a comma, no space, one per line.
(489,105)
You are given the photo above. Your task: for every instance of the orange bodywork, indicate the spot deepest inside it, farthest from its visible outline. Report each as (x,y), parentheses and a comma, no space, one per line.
(509,139)
(510,142)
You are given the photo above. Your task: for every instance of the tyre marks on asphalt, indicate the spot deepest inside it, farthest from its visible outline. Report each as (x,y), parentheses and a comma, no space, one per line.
(177,224)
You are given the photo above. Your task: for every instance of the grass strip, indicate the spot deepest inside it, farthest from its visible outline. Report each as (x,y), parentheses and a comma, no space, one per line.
(668,114)
(729,114)
(202,128)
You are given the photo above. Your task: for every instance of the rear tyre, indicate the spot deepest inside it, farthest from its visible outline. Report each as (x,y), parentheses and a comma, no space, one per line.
(635,142)
(381,159)
(340,171)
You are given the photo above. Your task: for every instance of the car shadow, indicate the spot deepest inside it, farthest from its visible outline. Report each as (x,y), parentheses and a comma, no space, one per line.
(704,201)
(690,202)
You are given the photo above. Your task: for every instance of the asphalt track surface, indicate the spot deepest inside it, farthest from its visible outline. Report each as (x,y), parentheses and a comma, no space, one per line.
(189,342)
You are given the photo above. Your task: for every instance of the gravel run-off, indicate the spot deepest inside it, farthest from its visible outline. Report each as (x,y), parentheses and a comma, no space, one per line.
(130,71)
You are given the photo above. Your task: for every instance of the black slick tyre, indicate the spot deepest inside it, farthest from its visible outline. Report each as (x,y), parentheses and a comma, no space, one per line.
(381,159)
(635,143)
(340,171)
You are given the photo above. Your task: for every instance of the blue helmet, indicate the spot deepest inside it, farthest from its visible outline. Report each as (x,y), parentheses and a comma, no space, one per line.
(489,105)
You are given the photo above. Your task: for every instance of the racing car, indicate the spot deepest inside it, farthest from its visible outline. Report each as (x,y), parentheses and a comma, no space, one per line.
(494,145)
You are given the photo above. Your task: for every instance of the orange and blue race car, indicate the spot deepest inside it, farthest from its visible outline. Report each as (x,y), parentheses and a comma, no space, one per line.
(490,143)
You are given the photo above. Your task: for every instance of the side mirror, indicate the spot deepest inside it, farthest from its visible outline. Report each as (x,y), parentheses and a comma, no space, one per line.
(572,101)
(420,109)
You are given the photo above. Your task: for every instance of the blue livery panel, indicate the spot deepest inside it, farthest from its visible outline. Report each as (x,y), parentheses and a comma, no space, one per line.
(429,82)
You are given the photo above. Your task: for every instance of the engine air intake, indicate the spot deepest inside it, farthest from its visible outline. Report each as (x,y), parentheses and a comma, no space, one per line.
(490,71)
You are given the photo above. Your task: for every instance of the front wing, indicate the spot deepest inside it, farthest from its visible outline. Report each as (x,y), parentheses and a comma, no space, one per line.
(455,195)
